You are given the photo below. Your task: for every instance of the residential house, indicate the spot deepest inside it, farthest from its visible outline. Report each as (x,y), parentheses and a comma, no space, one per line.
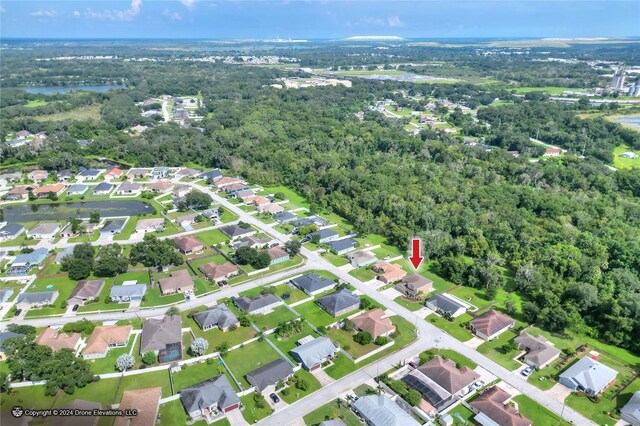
(7,178)
(38,175)
(189,245)
(375,322)
(115,173)
(211,175)
(540,351)
(67,231)
(163,337)
(223,182)
(630,413)
(207,399)
(155,224)
(552,152)
(36,299)
(49,190)
(235,188)
(361,258)
(251,241)
(323,235)
(256,200)
(285,217)
(629,154)
(137,129)
(277,255)
(333,422)
(145,402)
(219,316)
(4,336)
(129,188)
(112,227)
(211,214)
(588,376)
(188,173)
(180,191)
(339,302)
(443,305)
(85,290)
(389,272)
(64,175)
(127,293)
(5,294)
(272,208)
(57,340)
(102,188)
(311,220)
(313,284)
(64,253)
(258,305)
(342,246)
(11,231)
(105,337)
(264,378)
(23,262)
(414,286)
(77,189)
(83,143)
(89,174)
(17,193)
(217,273)
(160,172)
(492,408)
(242,194)
(160,186)
(237,231)
(178,282)
(187,219)
(137,173)
(315,352)
(491,324)
(440,382)
(14,143)
(380,410)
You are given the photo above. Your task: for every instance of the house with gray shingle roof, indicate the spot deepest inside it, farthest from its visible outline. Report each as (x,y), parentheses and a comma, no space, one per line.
(36,299)
(259,304)
(540,351)
(5,294)
(160,334)
(11,231)
(237,231)
(112,227)
(84,291)
(445,305)
(212,395)
(380,410)
(630,413)
(342,246)
(339,302)
(77,189)
(102,188)
(219,316)
(588,376)
(313,284)
(265,378)
(312,354)
(127,293)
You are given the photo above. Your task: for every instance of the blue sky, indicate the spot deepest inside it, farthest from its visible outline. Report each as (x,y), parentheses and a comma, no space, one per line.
(317,19)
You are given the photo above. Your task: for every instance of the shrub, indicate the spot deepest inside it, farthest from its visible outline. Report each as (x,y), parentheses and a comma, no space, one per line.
(381,340)
(363,337)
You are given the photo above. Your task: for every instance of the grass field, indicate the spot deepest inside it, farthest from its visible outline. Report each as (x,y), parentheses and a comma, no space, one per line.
(172,413)
(294,199)
(294,393)
(289,343)
(346,342)
(251,413)
(271,320)
(363,274)
(91,112)
(249,357)
(550,90)
(196,373)
(493,350)
(412,306)
(36,103)
(454,356)
(453,328)
(625,163)
(332,410)
(334,259)
(316,315)
(536,412)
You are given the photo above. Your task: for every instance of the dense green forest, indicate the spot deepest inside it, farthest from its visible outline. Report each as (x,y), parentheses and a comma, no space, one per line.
(568,228)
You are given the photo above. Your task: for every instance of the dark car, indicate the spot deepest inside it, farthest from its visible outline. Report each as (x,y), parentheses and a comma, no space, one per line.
(274,398)
(75,308)
(18,312)
(222,283)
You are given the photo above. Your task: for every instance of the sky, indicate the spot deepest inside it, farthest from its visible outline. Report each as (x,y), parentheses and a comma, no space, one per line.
(312,19)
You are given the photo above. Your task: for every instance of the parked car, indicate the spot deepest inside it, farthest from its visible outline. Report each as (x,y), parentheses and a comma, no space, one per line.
(18,312)
(75,308)
(527,371)
(274,398)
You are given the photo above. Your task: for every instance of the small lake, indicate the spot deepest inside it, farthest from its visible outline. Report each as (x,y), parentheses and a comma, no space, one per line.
(51,90)
(61,211)
(632,121)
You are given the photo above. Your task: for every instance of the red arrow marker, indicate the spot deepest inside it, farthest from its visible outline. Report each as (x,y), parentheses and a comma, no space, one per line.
(415,258)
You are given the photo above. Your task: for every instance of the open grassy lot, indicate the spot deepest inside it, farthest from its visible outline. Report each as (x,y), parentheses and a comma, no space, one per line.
(36,103)
(91,112)
(330,411)
(545,378)
(218,259)
(625,163)
(334,259)
(550,90)
(293,394)
(409,304)
(20,240)
(594,411)
(493,350)
(289,343)
(199,372)
(345,340)
(153,297)
(454,328)
(316,315)
(535,412)
(294,293)
(271,320)
(251,413)
(427,270)
(363,274)
(297,201)
(243,360)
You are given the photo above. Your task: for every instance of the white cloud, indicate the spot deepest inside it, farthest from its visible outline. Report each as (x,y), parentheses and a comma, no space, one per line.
(46,13)
(394,21)
(174,16)
(2,9)
(76,13)
(370,20)
(188,3)
(117,15)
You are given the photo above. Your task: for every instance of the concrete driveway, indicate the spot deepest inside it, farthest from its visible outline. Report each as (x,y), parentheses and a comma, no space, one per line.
(235,418)
(322,377)
(559,392)
(474,342)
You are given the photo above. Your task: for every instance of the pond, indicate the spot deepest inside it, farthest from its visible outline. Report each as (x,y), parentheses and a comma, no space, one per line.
(81,210)
(50,90)
(631,121)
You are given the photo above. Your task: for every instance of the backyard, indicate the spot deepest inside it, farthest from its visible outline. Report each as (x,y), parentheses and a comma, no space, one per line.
(249,357)
(334,409)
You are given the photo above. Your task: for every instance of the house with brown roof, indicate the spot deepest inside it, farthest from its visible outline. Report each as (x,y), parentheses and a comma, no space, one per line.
(270,208)
(105,337)
(84,291)
(389,272)
(178,282)
(38,175)
(540,351)
(187,173)
(180,191)
(161,335)
(217,273)
(440,381)
(256,200)
(160,186)
(17,193)
(146,402)
(491,324)
(492,408)
(137,173)
(57,340)
(47,190)
(414,286)
(226,181)
(186,219)
(375,322)
(189,245)
(114,173)
(277,255)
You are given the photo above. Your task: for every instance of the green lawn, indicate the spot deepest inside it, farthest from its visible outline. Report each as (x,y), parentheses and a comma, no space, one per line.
(129,228)
(251,413)
(295,294)
(341,367)
(462,416)
(294,393)
(246,359)
(550,90)
(153,297)
(412,306)
(625,163)
(289,343)
(271,320)
(316,315)
(345,340)
(453,356)
(594,411)
(334,259)
(20,240)
(142,277)
(218,259)
(535,412)
(35,103)
(297,201)
(216,336)
(493,350)
(63,284)
(199,372)
(545,378)
(330,411)
(13,285)
(455,328)
(363,274)
(172,413)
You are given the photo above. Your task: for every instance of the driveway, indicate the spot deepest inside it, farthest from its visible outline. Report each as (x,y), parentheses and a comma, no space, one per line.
(391,293)
(559,392)
(235,418)
(474,342)
(322,377)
